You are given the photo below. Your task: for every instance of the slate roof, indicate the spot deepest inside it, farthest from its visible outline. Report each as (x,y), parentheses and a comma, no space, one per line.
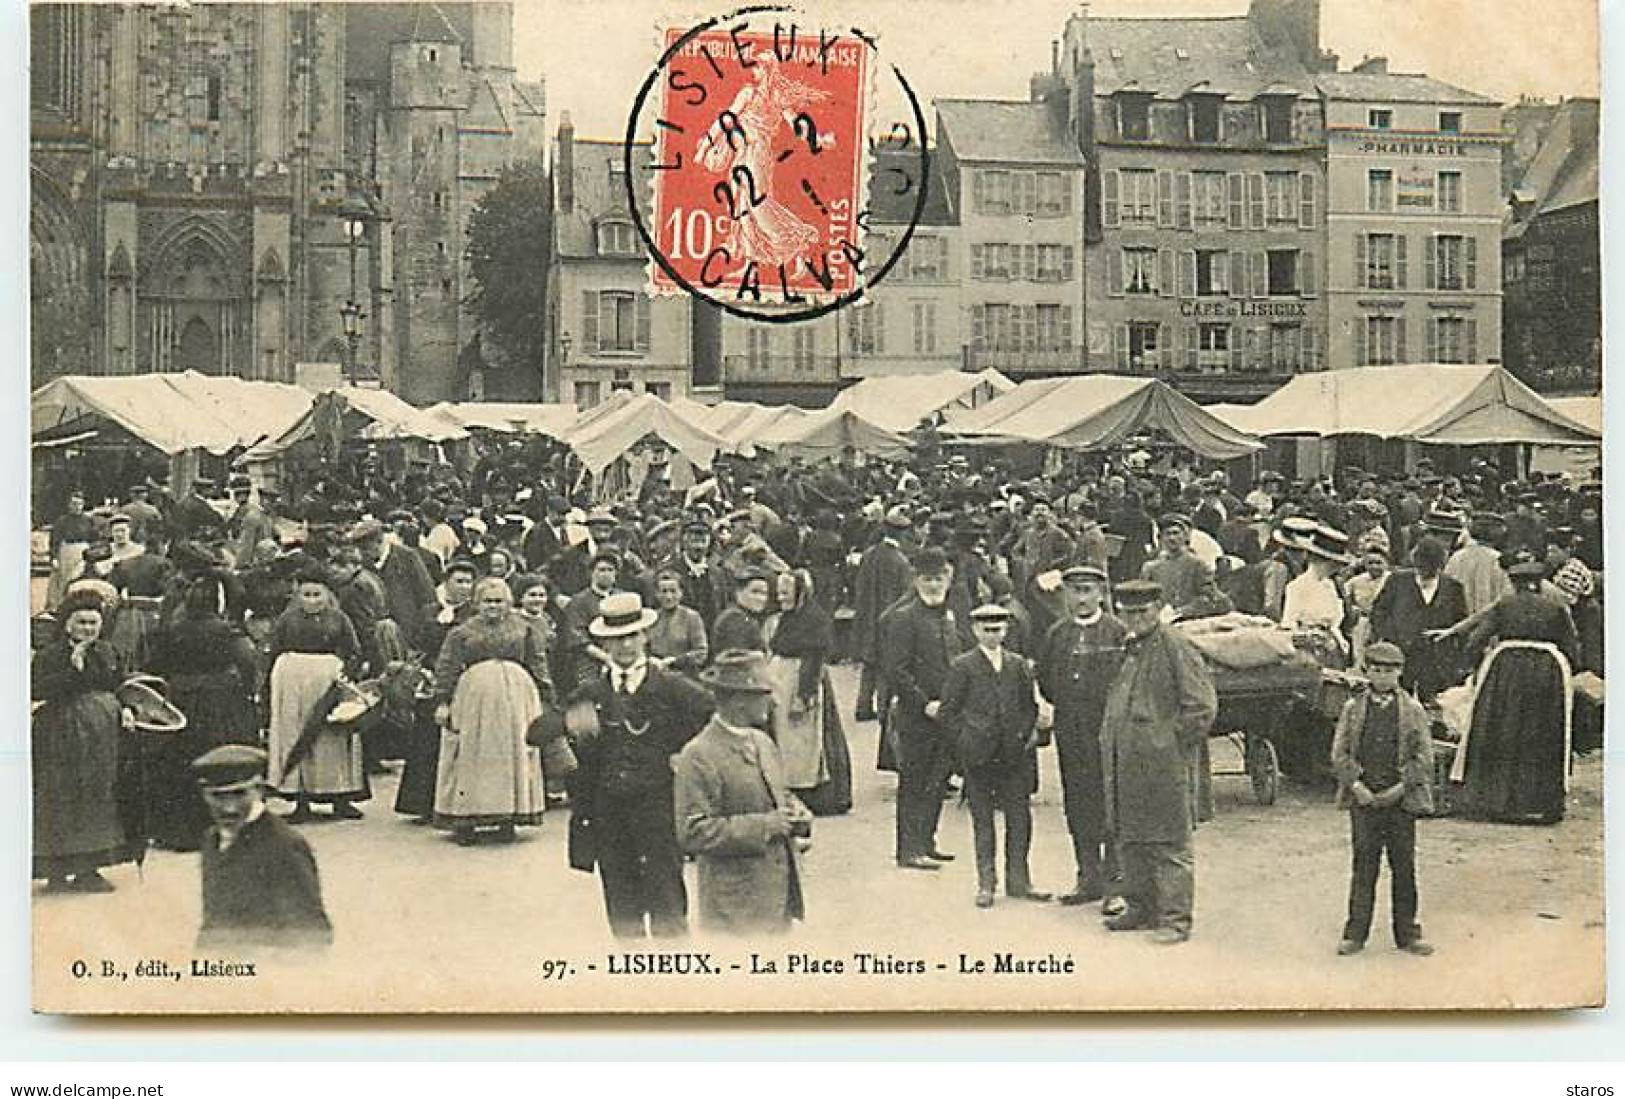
(371,29)
(1564,172)
(1169,57)
(1396,88)
(887,207)
(1007,131)
(600,195)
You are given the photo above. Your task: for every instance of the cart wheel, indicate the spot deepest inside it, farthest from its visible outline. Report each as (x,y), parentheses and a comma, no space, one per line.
(1264,768)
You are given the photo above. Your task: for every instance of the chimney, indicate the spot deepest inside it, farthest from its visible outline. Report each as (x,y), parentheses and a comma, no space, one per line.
(1377,66)
(565,163)
(1055,56)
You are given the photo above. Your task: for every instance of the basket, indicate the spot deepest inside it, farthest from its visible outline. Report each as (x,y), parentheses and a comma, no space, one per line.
(355,702)
(143,696)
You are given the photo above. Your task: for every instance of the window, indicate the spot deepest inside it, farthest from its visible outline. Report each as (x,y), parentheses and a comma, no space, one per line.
(1054,263)
(993,191)
(864,329)
(616,238)
(1281,195)
(801,349)
(1379,189)
(1380,119)
(1054,200)
(1284,354)
(758,347)
(1143,345)
(1283,272)
(1278,111)
(1212,273)
(586,394)
(213,96)
(1212,348)
(1453,340)
(1054,327)
(1450,192)
(1134,117)
(1139,270)
(1208,198)
(1382,341)
(1454,262)
(996,327)
(1204,117)
(1450,122)
(925,328)
(994,261)
(927,259)
(617,321)
(1139,195)
(1380,262)
(658,389)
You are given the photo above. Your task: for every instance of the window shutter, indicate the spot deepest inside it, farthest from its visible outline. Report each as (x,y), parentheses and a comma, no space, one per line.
(1399,339)
(1066,327)
(1066,194)
(1029,262)
(1255,199)
(589,321)
(1238,274)
(1066,263)
(1187,274)
(1183,203)
(942,259)
(1165,272)
(978,261)
(1120,346)
(1238,200)
(1221,272)
(1165,348)
(1430,332)
(1470,248)
(1431,248)
(1360,274)
(1308,276)
(978,326)
(1237,359)
(1399,261)
(1306,200)
(1360,356)
(1029,192)
(1165,198)
(1111,183)
(1191,335)
(1261,274)
(642,307)
(879,315)
(1114,272)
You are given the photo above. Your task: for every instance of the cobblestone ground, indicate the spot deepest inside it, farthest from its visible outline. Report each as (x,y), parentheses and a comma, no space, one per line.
(1516,914)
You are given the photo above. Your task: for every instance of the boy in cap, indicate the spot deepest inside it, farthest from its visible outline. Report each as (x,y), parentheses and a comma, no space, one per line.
(1382,755)
(260,886)
(732,810)
(989,713)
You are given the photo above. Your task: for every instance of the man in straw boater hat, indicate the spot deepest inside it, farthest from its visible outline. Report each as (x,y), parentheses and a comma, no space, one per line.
(732,810)
(628,721)
(260,885)
(990,714)
(1382,754)
(1158,714)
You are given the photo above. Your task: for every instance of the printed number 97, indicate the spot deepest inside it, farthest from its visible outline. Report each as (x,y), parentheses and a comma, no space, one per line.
(690,235)
(555,969)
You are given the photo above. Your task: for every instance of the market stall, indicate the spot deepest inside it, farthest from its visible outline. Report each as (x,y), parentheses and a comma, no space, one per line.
(620,448)
(902,402)
(831,434)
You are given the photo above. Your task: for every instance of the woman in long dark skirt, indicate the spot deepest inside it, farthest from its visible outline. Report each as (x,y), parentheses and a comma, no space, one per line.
(1514,760)
(211,668)
(452,607)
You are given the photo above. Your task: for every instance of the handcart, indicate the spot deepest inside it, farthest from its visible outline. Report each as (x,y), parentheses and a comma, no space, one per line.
(1264,712)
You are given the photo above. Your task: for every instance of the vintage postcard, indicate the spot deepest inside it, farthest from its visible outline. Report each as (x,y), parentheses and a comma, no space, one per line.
(637,507)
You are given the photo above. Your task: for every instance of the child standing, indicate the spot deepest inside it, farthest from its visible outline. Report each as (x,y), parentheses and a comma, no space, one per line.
(1382,755)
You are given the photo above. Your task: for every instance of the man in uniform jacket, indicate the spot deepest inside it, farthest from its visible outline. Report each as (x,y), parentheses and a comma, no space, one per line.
(253,536)
(1160,709)
(732,810)
(882,579)
(918,639)
(629,720)
(407,587)
(990,713)
(260,886)
(1413,603)
(1076,668)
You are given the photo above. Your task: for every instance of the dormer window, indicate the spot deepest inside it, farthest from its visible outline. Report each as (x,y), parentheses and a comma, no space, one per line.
(1134,116)
(1205,112)
(616,238)
(1278,120)
(1450,122)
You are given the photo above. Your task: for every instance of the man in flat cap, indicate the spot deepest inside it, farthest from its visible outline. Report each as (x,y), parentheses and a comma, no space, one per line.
(260,885)
(1182,575)
(252,534)
(989,714)
(732,810)
(1158,714)
(1382,755)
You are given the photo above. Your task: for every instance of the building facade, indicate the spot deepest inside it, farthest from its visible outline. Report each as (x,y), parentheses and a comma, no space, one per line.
(204,179)
(1551,258)
(1413,222)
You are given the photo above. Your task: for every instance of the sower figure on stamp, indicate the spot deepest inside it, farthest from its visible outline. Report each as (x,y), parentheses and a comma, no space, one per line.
(918,639)
(260,886)
(733,811)
(1382,755)
(1077,666)
(990,712)
(628,722)
(1161,706)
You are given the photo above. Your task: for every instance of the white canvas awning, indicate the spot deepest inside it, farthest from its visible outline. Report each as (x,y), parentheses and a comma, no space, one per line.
(599,439)
(172,413)
(831,433)
(901,402)
(552,420)
(371,414)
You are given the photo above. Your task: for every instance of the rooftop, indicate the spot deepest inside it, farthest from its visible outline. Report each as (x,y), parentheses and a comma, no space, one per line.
(1397,88)
(1008,131)
(1564,172)
(600,194)
(889,207)
(1169,57)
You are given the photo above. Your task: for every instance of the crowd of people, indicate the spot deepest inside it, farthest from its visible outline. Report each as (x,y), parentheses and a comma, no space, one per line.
(661,667)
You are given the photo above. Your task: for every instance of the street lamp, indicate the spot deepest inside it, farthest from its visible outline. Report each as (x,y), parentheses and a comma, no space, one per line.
(354,213)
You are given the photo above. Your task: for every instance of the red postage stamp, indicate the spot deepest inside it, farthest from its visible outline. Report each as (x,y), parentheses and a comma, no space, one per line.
(757,163)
